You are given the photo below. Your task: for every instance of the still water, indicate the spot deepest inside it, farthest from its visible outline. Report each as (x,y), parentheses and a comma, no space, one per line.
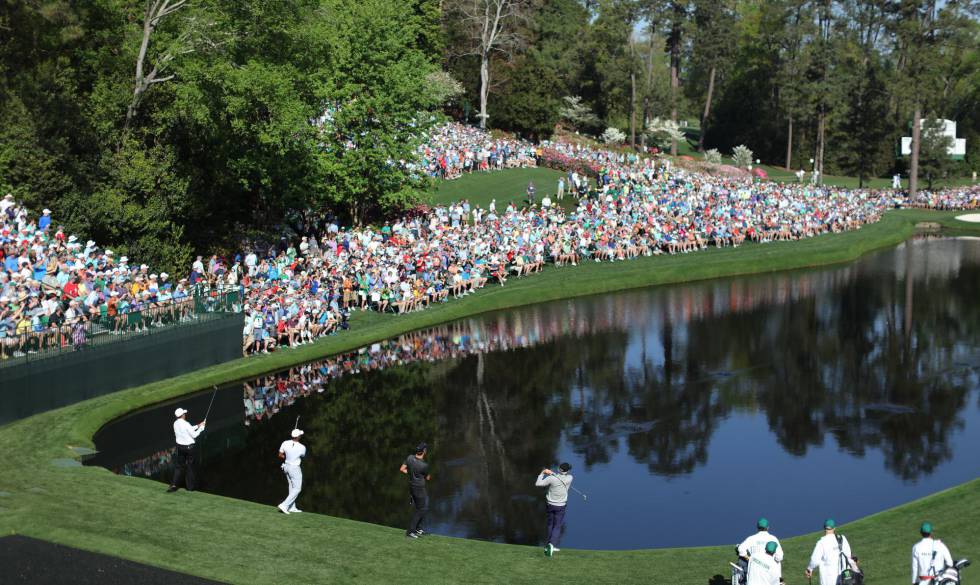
(686,412)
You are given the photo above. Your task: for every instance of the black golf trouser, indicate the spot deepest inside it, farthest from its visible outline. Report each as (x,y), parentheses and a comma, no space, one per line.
(184,464)
(421,502)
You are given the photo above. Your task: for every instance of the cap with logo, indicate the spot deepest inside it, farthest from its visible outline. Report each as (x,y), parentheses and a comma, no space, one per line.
(180,412)
(296,433)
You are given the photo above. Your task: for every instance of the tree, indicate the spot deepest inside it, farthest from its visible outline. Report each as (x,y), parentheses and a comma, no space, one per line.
(613,136)
(713,43)
(664,132)
(491,27)
(742,156)
(934,151)
(712,156)
(672,17)
(578,115)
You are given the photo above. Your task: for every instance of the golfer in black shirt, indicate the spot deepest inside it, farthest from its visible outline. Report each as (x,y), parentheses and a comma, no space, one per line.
(418,472)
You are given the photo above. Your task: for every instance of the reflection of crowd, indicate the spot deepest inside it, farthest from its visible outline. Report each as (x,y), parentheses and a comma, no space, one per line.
(149,466)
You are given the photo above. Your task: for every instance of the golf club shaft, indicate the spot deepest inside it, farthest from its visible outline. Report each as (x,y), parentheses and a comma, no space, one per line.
(578,491)
(296,426)
(210,404)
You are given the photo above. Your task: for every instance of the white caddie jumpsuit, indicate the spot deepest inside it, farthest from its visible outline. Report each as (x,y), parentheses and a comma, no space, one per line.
(826,557)
(759,539)
(763,569)
(929,558)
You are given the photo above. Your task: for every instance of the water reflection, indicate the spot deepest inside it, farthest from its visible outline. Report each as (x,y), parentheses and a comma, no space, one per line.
(690,397)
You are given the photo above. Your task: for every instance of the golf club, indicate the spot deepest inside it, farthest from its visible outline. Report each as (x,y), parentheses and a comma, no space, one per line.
(296,426)
(573,488)
(210,404)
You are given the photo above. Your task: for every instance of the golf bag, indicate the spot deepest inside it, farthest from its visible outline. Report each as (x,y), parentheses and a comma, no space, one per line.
(951,575)
(740,570)
(850,572)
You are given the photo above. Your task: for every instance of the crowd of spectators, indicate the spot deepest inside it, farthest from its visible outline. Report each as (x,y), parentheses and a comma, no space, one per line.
(620,206)
(55,290)
(453,149)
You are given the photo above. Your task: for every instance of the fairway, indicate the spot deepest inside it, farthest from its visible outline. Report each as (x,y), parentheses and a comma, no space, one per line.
(505,186)
(230,540)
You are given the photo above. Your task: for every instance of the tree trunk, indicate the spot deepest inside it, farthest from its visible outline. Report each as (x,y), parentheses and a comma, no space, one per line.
(675,62)
(914,158)
(707,109)
(789,144)
(484,88)
(633,110)
(820,146)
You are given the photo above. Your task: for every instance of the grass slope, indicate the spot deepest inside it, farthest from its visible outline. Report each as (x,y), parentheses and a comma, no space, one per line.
(504,186)
(243,542)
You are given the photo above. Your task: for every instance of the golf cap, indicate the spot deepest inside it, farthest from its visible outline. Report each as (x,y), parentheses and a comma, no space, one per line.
(762,524)
(926,528)
(421,447)
(180,412)
(829,524)
(771,547)
(564,468)
(295,433)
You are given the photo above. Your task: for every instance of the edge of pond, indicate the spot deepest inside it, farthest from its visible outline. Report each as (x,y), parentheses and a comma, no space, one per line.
(55,433)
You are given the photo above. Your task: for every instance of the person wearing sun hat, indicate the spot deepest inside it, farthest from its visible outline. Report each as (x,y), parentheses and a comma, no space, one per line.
(930,557)
(759,540)
(832,555)
(291,452)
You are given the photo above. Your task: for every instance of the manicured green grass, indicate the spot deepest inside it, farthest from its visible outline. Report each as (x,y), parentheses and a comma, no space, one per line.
(504,186)
(243,542)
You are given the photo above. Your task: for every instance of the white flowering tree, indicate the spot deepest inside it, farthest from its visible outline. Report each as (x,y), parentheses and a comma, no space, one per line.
(577,114)
(712,156)
(613,136)
(664,131)
(742,156)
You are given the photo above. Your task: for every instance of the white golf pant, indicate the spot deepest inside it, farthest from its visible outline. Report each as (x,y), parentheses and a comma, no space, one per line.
(294,475)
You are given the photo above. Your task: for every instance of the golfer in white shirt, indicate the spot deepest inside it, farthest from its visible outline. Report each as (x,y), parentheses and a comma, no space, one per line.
(827,555)
(185,434)
(930,557)
(292,452)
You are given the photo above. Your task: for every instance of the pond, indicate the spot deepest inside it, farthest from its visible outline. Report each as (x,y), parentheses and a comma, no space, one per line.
(686,412)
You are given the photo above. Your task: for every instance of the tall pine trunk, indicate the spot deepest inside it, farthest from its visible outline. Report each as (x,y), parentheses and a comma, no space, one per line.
(633,110)
(820,145)
(707,109)
(675,63)
(914,159)
(789,144)
(484,88)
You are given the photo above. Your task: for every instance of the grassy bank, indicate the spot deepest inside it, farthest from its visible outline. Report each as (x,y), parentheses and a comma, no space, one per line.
(504,186)
(43,495)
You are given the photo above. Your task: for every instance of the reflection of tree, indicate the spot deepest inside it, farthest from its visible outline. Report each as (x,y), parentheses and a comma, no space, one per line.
(836,353)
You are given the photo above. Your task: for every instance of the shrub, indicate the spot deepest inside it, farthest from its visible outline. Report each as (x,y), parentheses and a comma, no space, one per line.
(712,156)
(742,156)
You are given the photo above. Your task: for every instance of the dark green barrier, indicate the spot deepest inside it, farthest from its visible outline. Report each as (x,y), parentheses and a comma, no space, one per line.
(31,387)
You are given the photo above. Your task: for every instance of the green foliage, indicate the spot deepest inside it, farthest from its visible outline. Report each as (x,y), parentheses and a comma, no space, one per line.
(934,160)
(526,102)
(712,156)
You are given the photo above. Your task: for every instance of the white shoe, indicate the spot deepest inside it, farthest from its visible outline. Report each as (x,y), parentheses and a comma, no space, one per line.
(294,510)
(555,549)
(283,510)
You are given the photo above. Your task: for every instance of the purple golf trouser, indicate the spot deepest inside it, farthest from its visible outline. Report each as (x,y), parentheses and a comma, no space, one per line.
(556,519)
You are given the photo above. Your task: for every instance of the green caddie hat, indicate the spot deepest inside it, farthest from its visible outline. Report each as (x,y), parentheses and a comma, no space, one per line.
(762,524)
(926,528)
(771,547)
(829,523)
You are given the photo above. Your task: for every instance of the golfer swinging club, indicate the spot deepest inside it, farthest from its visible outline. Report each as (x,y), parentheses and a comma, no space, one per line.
(418,473)
(292,452)
(185,434)
(557,498)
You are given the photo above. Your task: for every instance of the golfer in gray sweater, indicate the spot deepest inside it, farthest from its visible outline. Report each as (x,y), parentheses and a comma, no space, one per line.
(557,498)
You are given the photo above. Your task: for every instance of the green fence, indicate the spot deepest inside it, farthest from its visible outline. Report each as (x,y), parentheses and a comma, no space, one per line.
(101,328)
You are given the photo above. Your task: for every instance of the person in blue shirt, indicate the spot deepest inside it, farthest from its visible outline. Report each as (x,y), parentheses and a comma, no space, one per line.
(44,222)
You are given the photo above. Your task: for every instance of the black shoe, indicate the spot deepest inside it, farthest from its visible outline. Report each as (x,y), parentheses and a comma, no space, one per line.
(172,488)
(411,535)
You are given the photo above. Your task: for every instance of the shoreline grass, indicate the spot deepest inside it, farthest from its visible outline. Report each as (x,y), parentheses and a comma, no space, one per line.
(42,494)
